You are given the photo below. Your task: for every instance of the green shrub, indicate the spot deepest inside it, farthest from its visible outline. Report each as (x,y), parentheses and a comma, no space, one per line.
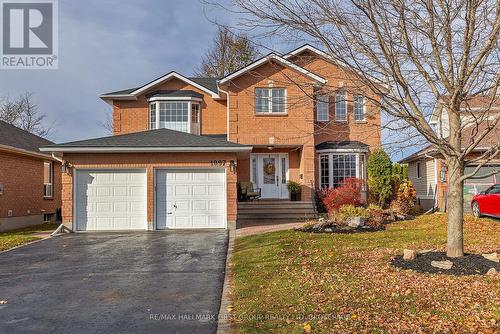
(349,211)
(379,168)
(293,187)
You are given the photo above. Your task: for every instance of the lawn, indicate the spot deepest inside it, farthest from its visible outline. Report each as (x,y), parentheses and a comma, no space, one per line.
(22,236)
(295,282)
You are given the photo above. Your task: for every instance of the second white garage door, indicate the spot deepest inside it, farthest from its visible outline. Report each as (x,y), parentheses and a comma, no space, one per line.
(190,198)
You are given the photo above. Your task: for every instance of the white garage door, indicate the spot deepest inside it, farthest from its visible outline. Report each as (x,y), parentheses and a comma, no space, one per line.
(190,199)
(110,200)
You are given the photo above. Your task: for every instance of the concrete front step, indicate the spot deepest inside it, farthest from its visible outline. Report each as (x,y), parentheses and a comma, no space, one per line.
(277,211)
(270,215)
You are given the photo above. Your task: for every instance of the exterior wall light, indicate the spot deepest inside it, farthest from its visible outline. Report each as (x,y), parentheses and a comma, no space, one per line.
(232,166)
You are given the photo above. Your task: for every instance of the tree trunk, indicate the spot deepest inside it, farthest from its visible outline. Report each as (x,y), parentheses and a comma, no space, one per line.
(455,244)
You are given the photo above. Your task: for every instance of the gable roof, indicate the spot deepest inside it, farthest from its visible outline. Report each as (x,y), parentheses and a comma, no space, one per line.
(266,59)
(308,47)
(13,137)
(160,140)
(474,103)
(208,85)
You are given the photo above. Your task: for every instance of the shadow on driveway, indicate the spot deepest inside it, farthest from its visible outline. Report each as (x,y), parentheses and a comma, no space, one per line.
(152,282)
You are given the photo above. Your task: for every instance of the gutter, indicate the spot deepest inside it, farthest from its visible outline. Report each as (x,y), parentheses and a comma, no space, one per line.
(227,110)
(145,149)
(24,152)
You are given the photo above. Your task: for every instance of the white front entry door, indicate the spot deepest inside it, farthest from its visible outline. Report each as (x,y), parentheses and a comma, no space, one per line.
(270,174)
(190,198)
(110,200)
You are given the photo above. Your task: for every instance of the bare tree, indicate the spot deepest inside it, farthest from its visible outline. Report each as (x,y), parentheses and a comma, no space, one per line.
(228,53)
(24,114)
(418,56)
(107,123)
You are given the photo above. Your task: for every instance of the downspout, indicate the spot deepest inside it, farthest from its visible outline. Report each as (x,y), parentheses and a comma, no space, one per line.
(56,158)
(227,111)
(435,199)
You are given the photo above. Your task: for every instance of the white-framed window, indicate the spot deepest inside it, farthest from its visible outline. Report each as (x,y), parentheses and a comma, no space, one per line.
(341,106)
(359,108)
(270,100)
(335,167)
(324,177)
(48,179)
(152,116)
(175,115)
(419,170)
(322,108)
(195,118)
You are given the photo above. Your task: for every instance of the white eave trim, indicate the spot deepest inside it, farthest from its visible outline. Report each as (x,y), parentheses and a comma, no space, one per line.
(169,76)
(308,47)
(173,98)
(279,59)
(133,95)
(25,152)
(146,149)
(343,150)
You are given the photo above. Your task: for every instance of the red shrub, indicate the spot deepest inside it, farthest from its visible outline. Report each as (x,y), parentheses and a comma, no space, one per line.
(349,192)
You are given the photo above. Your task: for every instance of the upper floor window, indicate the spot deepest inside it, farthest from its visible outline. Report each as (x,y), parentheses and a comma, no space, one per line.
(322,108)
(359,108)
(48,179)
(152,116)
(270,100)
(175,115)
(341,107)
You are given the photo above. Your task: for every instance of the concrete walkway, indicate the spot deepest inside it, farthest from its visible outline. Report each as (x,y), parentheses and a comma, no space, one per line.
(265,228)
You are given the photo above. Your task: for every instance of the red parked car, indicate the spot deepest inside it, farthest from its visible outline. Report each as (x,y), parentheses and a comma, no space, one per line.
(487,202)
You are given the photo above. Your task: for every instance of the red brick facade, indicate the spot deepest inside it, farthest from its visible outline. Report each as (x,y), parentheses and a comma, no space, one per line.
(294,132)
(22,178)
(148,161)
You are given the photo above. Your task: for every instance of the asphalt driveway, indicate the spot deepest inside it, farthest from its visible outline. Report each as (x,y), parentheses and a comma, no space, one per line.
(148,282)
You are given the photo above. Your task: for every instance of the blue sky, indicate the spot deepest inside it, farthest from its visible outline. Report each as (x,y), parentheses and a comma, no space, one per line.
(107,45)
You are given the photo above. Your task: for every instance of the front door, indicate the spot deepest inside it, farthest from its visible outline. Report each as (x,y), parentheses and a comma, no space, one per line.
(270,173)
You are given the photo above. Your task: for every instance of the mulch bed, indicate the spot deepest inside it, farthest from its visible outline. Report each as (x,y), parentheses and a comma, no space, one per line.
(469,264)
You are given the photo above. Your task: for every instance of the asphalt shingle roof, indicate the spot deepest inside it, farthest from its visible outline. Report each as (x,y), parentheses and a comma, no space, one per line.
(160,138)
(332,145)
(175,93)
(13,136)
(207,82)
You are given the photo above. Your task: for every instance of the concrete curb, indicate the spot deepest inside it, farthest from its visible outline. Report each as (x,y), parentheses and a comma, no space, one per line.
(223,323)
(26,244)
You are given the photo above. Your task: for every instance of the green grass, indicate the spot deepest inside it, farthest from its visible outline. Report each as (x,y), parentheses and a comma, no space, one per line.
(343,282)
(24,235)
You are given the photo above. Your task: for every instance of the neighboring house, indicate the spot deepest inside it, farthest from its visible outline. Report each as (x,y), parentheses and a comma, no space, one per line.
(30,181)
(428,171)
(181,144)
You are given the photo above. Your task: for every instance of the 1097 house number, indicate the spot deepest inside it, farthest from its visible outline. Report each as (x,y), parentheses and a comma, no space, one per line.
(218,162)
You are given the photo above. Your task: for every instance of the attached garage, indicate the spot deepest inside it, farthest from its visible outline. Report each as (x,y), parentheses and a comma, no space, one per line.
(152,180)
(190,198)
(110,200)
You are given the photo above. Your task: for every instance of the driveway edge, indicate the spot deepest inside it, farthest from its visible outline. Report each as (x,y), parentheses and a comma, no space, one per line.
(224,323)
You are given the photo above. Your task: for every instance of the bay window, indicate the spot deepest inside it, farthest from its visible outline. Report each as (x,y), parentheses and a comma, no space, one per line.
(335,167)
(181,116)
(270,100)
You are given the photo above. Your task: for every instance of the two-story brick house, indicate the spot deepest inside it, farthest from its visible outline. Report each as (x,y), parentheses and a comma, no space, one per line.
(181,144)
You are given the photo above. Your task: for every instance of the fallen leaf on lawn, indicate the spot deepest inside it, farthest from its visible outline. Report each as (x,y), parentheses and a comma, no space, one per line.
(229,308)
(307,328)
